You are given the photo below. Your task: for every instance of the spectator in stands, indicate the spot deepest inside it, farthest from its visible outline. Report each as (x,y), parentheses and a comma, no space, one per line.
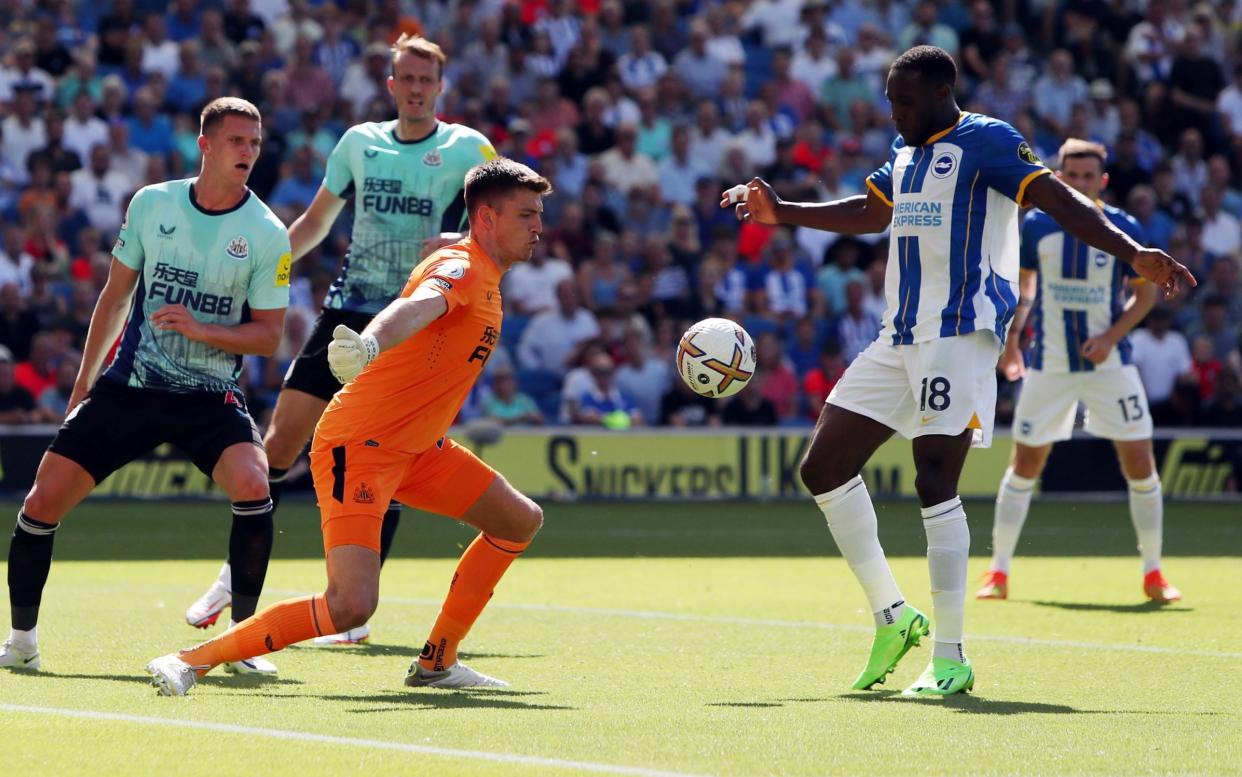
(642,377)
(24,132)
(1205,365)
(17,406)
(857,328)
(150,130)
(1195,81)
(25,75)
(552,338)
(625,168)
(813,64)
(82,129)
(926,30)
(37,372)
(594,135)
(709,140)
(842,90)
(840,269)
(1222,281)
(1190,172)
(1058,91)
(678,172)
(780,383)
(187,89)
(751,407)
(819,381)
(1222,233)
(698,68)
(1150,46)
(297,186)
(240,23)
(680,407)
(130,162)
(786,294)
(1157,224)
(53,402)
(1161,355)
(981,42)
(1224,410)
(641,66)
(1124,170)
(998,96)
(100,191)
(366,80)
(602,403)
(15,261)
(1214,325)
(509,406)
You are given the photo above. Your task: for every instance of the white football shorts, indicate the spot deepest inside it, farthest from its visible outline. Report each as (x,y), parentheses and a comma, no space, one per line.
(942,386)
(1115,400)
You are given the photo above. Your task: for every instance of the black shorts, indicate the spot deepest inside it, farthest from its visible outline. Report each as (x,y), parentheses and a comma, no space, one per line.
(309,372)
(116,424)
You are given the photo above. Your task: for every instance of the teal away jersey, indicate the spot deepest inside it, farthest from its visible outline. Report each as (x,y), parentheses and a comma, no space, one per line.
(219,264)
(404,193)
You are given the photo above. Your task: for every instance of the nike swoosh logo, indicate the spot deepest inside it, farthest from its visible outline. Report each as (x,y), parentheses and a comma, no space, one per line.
(927,418)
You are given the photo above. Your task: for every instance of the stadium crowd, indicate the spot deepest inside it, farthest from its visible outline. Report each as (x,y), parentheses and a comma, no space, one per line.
(640,112)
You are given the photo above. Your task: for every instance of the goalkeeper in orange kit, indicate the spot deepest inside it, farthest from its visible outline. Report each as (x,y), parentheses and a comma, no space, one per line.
(382,438)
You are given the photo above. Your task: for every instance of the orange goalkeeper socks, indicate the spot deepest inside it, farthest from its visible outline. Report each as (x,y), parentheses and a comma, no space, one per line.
(275,627)
(478,572)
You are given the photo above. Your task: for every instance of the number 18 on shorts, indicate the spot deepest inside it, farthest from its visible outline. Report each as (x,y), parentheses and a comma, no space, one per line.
(941,386)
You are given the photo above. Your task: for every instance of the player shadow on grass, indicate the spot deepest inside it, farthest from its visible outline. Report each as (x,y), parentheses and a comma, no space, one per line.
(967,703)
(225,681)
(1148,606)
(407,651)
(440,699)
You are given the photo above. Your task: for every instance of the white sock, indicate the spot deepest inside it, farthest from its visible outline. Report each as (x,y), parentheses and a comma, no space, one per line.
(948,546)
(1147,515)
(851,520)
(1013,501)
(225,578)
(26,641)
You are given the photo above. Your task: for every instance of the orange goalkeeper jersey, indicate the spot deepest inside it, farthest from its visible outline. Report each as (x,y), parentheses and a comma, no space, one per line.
(407,398)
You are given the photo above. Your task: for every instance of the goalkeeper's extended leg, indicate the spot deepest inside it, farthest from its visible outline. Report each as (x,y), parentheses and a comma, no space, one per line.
(507,521)
(360,634)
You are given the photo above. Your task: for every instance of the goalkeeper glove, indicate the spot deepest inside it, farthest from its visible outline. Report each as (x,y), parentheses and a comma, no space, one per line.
(349,352)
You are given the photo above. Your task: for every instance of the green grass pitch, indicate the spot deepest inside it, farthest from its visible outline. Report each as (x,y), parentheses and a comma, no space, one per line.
(648,639)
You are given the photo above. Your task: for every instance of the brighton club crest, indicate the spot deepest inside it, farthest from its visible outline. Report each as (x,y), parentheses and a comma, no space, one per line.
(238,248)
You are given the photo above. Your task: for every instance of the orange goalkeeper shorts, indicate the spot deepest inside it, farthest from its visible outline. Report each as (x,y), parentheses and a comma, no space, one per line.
(355,482)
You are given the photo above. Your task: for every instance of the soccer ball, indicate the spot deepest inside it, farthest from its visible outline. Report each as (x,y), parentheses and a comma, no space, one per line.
(716,358)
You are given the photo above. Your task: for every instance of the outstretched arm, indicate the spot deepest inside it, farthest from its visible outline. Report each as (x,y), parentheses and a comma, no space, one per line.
(858,215)
(1083,220)
(309,229)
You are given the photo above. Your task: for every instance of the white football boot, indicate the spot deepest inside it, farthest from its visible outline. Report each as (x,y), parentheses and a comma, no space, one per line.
(354,636)
(456,676)
(171,676)
(14,657)
(206,609)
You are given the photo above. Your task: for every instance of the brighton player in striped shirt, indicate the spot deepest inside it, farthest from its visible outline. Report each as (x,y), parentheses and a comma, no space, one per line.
(951,192)
(1080,353)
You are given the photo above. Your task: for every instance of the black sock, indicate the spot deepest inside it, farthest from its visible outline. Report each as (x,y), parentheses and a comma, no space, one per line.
(250,547)
(30,559)
(392,519)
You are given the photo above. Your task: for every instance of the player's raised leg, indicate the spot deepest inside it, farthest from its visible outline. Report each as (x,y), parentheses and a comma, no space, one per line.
(60,484)
(507,521)
(1138,464)
(241,472)
(1013,502)
(842,443)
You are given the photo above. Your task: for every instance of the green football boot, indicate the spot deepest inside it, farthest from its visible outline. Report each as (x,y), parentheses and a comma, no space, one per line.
(943,677)
(890,644)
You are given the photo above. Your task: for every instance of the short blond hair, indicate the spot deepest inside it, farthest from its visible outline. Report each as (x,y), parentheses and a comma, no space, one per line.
(1077,148)
(419,47)
(215,111)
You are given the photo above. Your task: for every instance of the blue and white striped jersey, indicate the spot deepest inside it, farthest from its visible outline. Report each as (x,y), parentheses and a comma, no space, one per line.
(953,251)
(1081,292)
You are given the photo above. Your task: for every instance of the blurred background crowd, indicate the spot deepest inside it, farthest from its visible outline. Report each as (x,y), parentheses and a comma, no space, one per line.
(640,112)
